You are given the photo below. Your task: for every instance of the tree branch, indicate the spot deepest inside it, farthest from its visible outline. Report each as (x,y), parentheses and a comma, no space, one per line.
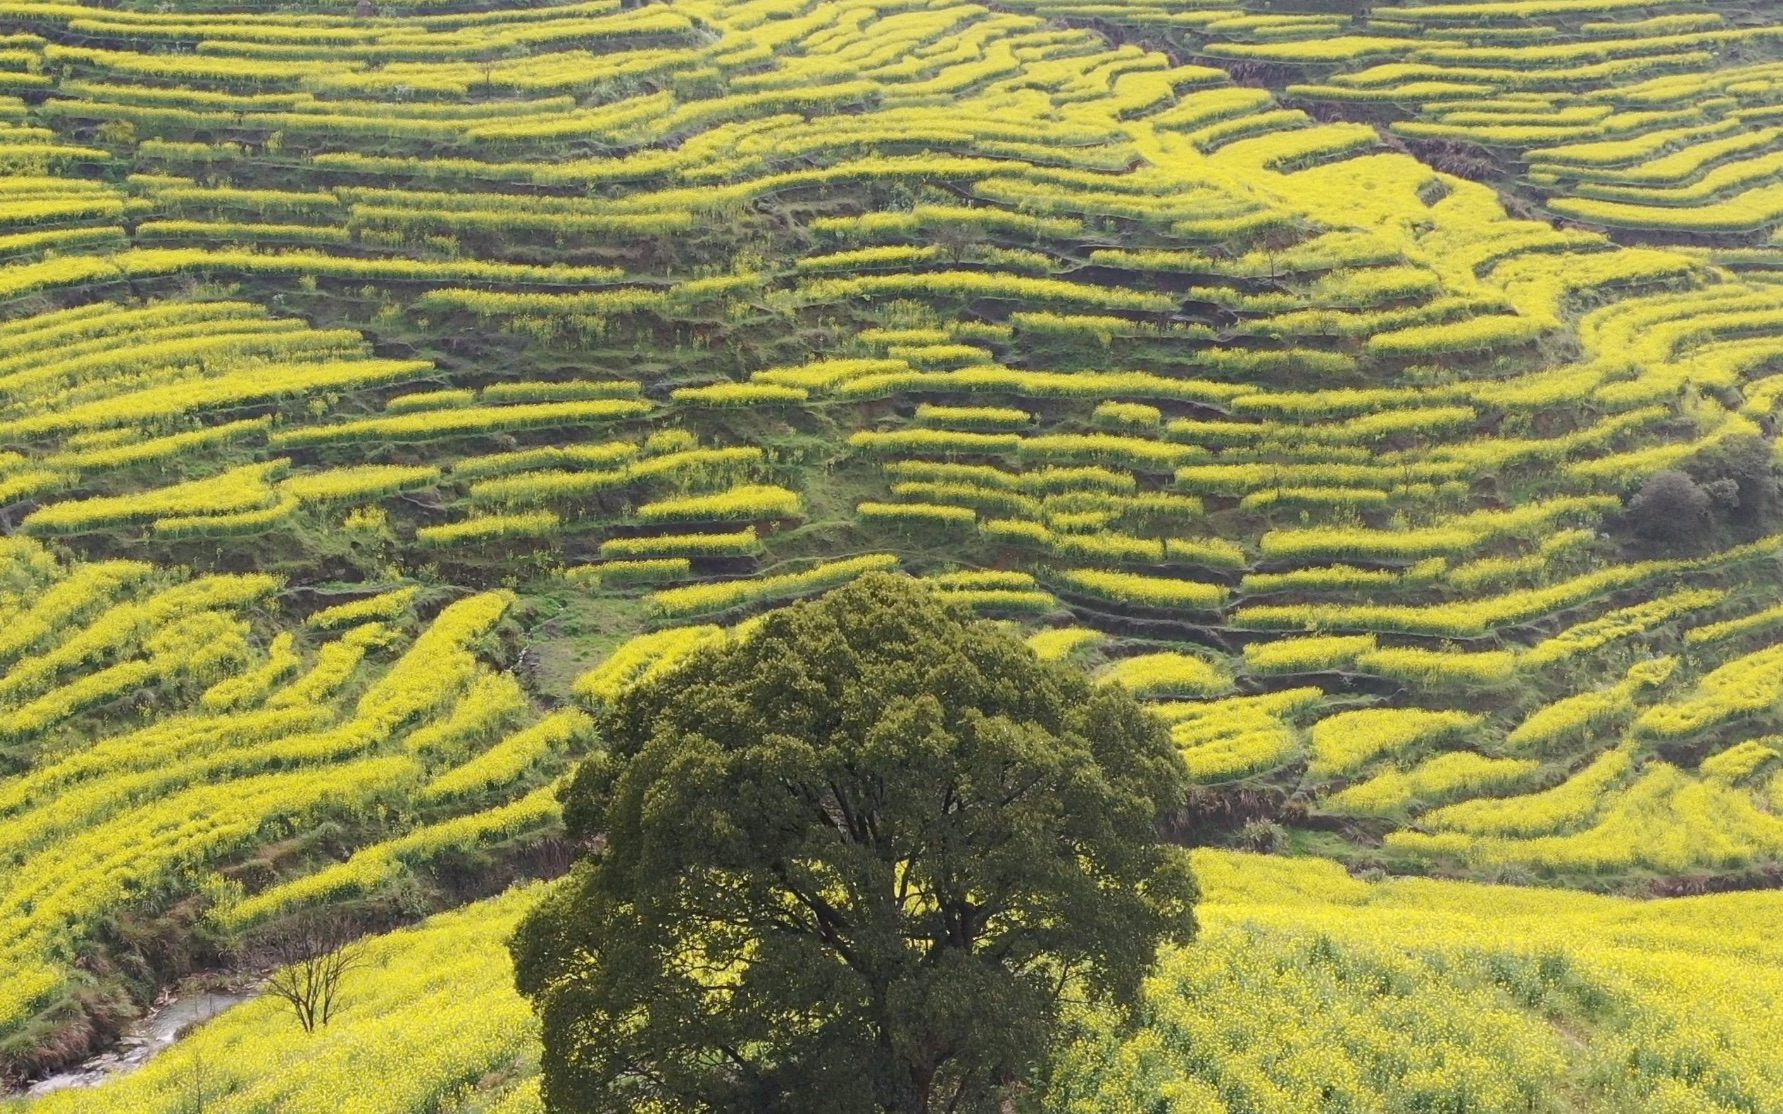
(831,924)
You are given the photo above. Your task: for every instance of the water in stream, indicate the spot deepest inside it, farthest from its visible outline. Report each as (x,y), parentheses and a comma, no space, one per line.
(147,1038)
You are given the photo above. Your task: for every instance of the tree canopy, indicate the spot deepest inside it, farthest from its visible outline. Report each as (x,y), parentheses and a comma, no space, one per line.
(855,862)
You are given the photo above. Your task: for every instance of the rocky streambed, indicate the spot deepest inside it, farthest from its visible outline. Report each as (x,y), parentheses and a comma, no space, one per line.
(153,1034)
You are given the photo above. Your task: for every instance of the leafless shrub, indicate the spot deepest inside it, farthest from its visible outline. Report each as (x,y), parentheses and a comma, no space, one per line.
(313,957)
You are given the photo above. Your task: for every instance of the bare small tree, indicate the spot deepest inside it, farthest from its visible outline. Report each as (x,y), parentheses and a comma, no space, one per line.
(313,957)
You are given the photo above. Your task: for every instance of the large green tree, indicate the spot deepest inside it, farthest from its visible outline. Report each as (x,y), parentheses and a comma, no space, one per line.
(856,862)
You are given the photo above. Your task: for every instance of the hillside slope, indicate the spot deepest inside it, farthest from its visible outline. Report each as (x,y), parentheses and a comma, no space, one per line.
(1309,991)
(380,393)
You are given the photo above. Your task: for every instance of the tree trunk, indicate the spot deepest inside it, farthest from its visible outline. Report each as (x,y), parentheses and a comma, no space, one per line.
(923,1082)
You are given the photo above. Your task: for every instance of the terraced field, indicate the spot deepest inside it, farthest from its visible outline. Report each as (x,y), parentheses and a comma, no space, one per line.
(381,393)
(1653,120)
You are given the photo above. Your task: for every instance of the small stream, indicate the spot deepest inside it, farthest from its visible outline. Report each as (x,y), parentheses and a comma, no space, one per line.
(146,1039)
